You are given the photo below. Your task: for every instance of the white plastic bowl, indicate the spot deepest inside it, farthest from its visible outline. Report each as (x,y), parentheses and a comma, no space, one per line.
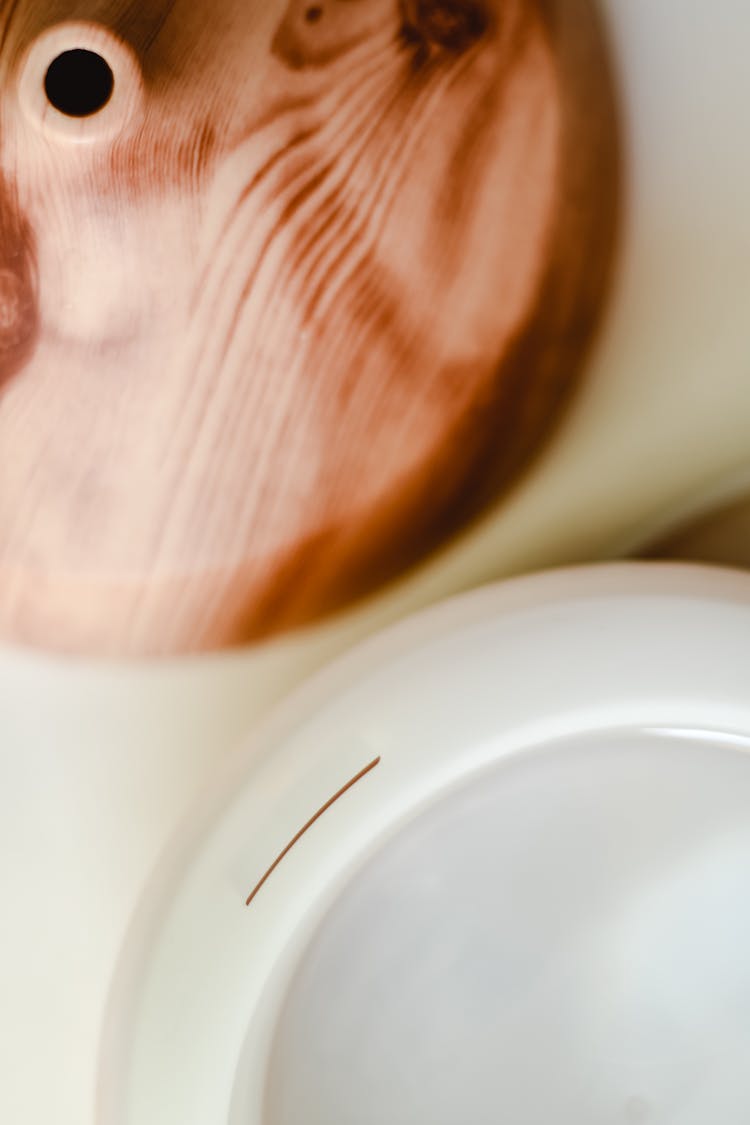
(533,905)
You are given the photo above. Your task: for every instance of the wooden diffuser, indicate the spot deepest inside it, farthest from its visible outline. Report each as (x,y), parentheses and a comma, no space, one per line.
(289,292)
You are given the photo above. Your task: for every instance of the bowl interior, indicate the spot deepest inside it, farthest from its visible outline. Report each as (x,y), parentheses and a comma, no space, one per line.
(562,939)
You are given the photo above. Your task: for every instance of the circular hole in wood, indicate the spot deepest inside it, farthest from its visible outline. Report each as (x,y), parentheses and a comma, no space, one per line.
(79,83)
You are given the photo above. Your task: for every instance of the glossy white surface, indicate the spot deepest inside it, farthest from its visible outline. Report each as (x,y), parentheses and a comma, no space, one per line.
(565,939)
(617,859)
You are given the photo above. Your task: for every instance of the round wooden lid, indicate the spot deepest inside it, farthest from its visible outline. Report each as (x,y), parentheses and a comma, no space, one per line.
(289,291)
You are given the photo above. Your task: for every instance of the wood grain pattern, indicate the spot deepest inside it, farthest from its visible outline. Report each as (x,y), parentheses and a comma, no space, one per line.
(297,319)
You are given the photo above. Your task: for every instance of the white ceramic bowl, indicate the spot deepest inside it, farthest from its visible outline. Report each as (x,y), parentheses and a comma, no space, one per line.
(532,905)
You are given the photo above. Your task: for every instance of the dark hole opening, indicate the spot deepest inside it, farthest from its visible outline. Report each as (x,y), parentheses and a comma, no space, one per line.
(79,83)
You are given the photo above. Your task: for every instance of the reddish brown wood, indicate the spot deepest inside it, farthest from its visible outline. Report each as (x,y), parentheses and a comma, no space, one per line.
(292,308)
